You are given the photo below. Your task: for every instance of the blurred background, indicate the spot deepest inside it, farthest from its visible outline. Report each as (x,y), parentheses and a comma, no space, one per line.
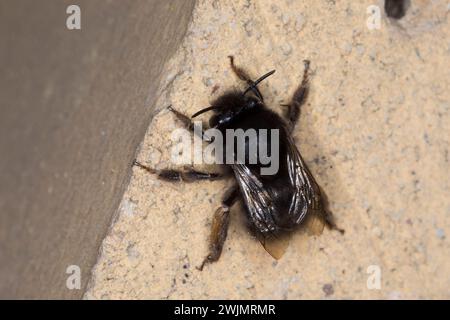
(74,105)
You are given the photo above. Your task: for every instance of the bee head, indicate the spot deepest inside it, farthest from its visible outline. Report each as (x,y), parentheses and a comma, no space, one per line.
(231,105)
(234,103)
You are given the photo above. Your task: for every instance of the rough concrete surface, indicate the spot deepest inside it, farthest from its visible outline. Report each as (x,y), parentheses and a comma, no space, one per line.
(74,106)
(375,134)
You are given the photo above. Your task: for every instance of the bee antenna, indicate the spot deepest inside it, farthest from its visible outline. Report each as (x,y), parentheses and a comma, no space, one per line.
(203,111)
(253,85)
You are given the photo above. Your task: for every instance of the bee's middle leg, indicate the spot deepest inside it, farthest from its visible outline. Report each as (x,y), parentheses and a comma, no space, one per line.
(219,228)
(292,112)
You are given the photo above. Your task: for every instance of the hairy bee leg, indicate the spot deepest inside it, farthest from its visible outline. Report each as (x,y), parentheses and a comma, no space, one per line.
(188,123)
(292,112)
(219,228)
(323,211)
(243,75)
(240,73)
(178,175)
(329,222)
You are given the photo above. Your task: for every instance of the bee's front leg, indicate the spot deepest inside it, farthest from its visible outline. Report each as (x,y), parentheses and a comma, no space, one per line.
(189,124)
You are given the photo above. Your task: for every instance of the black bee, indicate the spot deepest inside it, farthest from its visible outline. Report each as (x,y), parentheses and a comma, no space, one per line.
(275,204)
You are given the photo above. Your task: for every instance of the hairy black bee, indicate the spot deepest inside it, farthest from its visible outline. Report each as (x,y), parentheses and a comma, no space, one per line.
(275,204)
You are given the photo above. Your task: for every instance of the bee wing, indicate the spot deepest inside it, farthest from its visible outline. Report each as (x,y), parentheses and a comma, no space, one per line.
(259,205)
(314,223)
(256,197)
(306,199)
(275,245)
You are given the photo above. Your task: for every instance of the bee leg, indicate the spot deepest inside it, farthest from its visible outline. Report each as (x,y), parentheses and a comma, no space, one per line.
(329,222)
(292,112)
(323,211)
(178,175)
(219,228)
(188,123)
(243,75)
(240,73)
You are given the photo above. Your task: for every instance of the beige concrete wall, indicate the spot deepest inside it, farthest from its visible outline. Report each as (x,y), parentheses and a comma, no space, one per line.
(74,105)
(374,133)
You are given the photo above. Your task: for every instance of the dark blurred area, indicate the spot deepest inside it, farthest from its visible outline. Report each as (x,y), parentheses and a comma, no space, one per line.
(396,8)
(74,106)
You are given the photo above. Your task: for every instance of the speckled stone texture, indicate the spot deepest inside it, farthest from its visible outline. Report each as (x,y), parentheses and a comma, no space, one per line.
(374,132)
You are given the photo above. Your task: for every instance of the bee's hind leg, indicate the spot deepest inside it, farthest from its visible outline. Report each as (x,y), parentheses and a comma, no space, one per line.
(219,228)
(329,222)
(325,214)
(292,111)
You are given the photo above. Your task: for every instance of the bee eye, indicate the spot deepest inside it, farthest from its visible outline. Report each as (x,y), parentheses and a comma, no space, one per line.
(213,121)
(251,103)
